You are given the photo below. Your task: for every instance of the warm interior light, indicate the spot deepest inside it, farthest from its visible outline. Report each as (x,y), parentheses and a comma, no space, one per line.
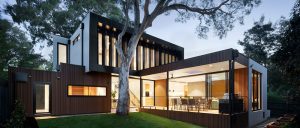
(114,29)
(107,26)
(100,24)
(210,65)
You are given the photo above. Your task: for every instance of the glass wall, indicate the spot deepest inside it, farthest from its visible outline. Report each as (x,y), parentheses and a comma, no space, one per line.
(134,91)
(148,93)
(187,91)
(198,92)
(62,53)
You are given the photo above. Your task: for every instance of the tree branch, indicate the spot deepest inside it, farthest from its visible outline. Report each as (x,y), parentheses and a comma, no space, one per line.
(136,13)
(146,8)
(207,11)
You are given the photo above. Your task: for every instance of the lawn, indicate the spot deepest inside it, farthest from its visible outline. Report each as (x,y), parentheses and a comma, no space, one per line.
(134,120)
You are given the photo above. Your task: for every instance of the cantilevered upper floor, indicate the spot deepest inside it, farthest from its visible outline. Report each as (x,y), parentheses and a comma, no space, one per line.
(93,45)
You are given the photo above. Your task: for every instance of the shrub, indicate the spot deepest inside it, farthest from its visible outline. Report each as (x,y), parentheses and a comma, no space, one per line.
(17,117)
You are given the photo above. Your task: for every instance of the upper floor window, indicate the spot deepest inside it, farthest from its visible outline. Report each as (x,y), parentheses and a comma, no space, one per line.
(62,53)
(157,58)
(140,57)
(166,58)
(162,58)
(107,43)
(256,90)
(152,56)
(147,58)
(114,53)
(99,48)
(77,38)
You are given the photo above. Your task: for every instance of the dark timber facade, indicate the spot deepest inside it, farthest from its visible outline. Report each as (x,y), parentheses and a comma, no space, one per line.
(220,89)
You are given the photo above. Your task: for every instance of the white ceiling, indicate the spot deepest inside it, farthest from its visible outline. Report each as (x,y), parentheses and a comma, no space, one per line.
(213,67)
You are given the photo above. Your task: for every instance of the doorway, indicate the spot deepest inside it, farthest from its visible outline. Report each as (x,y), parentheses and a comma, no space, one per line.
(42,98)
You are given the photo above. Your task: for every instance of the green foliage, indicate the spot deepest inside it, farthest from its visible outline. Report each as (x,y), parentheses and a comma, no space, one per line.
(287,57)
(17,117)
(133,120)
(16,50)
(278,48)
(44,18)
(260,41)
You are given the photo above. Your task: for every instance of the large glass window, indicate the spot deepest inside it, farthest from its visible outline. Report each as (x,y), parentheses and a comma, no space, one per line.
(162,58)
(166,58)
(148,93)
(114,52)
(256,90)
(170,58)
(86,91)
(107,50)
(140,59)
(217,87)
(157,58)
(147,58)
(99,48)
(62,53)
(152,57)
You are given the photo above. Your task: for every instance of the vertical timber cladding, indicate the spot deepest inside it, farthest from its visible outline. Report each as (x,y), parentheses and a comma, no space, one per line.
(61,103)
(160,88)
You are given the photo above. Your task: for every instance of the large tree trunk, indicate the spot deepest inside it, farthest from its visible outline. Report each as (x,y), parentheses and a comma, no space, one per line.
(124,99)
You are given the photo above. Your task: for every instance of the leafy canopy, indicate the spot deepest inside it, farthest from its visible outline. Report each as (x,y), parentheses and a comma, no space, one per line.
(44,18)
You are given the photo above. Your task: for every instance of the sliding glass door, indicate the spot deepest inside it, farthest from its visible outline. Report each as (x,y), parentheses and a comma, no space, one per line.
(42,98)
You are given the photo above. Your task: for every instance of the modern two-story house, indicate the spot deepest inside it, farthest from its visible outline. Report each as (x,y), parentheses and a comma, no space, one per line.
(220,89)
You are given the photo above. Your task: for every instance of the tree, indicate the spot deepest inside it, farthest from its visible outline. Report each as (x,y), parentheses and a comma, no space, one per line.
(15,49)
(217,15)
(260,41)
(44,18)
(287,57)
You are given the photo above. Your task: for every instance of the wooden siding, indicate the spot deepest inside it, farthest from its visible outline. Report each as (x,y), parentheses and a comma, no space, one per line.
(203,119)
(160,93)
(241,85)
(60,102)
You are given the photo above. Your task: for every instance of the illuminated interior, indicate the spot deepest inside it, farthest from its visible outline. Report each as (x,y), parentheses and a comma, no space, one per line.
(86,91)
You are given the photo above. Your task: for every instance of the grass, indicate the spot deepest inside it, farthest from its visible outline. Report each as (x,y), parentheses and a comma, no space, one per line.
(134,120)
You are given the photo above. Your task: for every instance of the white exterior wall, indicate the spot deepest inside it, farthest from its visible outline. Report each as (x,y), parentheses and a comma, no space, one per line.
(76,48)
(258,116)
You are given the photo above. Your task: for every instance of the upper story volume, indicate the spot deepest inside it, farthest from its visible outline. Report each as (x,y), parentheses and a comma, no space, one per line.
(92,45)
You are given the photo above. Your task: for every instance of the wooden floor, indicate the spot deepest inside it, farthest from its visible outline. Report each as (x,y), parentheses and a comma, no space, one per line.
(209,119)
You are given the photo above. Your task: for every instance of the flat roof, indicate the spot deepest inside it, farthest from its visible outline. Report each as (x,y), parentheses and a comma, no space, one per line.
(215,57)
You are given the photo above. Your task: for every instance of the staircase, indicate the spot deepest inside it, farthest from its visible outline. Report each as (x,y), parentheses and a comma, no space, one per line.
(134,100)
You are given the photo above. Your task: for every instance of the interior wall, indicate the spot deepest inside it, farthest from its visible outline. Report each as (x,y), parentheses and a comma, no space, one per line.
(196,89)
(241,84)
(218,88)
(160,92)
(176,89)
